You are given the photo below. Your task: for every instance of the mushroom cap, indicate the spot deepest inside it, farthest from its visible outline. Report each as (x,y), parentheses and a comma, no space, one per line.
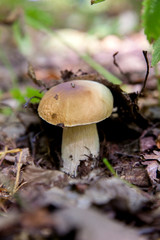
(77,102)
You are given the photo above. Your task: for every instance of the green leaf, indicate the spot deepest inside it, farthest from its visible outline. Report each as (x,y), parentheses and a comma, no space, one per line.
(29,92)
(10,4)
(109,166)
(156,52)
(6,111)
(32,92)
(38,18)
(18,95)
(96,1)
(22,39)
(1,93)
(151,19)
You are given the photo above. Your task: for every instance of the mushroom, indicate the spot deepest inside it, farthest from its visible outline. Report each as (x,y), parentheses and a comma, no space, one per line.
(77,106)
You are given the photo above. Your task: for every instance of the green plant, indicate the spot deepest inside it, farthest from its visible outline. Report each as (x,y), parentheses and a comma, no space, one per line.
(151,24)
(109,166)
(6,111)
(28,93)
(96,1)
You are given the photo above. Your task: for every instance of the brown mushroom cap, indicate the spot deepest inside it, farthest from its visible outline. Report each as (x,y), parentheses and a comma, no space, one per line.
(77,102)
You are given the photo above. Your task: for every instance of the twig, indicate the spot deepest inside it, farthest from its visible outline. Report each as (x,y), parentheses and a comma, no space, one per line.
(147,73)
(18,187)
(116,64)
(32,76)
(16,150)
(3,155)
(126,75)
(19,164)
(18,173)
(28,101)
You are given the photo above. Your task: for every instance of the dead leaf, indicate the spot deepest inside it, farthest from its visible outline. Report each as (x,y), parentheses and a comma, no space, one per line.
(35,175)
(36,219)
(154,156)
(158,141)
(125,198)
(152,168)
(7,222)
(58,198)
(147,143)
(137,176)
(90,224)
(152,161)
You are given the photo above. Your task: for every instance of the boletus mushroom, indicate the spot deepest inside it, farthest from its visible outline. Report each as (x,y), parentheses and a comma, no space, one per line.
(77,106)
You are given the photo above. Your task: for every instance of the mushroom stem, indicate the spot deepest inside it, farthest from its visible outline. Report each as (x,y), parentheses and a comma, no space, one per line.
(78,143)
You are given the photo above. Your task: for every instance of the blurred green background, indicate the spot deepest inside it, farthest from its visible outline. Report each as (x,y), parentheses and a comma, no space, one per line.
(100,19)
(25,27)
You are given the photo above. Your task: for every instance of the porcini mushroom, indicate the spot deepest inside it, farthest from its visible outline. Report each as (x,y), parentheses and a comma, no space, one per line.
(77,106)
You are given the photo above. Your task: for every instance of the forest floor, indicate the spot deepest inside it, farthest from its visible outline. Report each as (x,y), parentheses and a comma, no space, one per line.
(37,200)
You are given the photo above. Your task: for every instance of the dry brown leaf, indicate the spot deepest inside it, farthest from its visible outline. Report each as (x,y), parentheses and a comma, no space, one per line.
(147,143)
(102,192)
(125,197)
(90,224)
(158,141)
(152,161)
(36,219)
(137,176)
(154,156)
(36,175)
(8,221)
(152,169)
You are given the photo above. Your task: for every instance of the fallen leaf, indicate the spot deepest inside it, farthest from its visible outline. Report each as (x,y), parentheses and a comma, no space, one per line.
(90,224)
(158,141)
(147,143)
(152,168)
(36,219)
(154,156)
(137,176)
(35,175)
(125,197)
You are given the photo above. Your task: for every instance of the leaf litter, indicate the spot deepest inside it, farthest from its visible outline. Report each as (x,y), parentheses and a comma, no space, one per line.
(40,202)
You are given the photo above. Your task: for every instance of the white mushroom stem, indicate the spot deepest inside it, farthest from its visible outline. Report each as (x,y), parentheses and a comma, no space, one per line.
(77,144)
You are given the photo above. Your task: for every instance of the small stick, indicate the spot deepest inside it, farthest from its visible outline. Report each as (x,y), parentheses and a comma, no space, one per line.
(3,155)
(32,76)
(116,64)
(28,101)
(11,151)
(147,73)
(18,173)
(19,164)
